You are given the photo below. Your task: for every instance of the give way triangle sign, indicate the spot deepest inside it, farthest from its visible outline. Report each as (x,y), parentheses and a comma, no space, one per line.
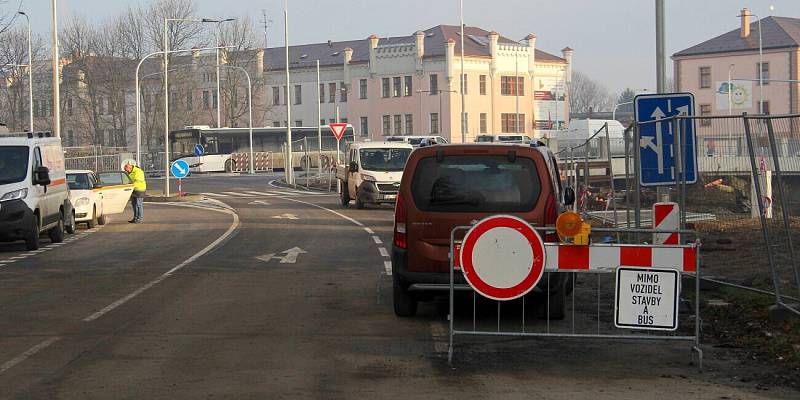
(338,130)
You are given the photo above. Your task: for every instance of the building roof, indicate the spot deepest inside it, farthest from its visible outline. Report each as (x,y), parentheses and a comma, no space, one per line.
(332,53)
(777,32)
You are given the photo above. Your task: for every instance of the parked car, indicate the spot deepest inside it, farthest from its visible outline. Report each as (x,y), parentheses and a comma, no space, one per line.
(34,197)
(372,171)
(455,185)
(94,199)
(505,138)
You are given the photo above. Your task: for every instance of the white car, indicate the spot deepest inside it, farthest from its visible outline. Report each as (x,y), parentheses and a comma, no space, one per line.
(94,199)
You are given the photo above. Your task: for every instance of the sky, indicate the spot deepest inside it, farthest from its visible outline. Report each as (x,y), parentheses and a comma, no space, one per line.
(614,40)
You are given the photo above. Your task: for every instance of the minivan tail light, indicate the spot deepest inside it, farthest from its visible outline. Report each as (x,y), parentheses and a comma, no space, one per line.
(400,217)
(550,217)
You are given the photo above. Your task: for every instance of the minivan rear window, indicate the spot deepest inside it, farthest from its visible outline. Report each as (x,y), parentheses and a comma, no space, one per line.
(476,183)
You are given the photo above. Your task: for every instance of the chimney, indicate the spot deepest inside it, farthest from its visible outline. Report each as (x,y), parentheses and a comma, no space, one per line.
(530,40)
(373,57)
(745,31)
(450,58)
(419,44)
(348,56)
(259,62)
(493,36)
(223,56)
(567,53)
(195,58)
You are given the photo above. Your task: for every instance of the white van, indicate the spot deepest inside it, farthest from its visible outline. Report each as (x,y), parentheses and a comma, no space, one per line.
(34,196)
(372,172)
(504,138)
(417,141)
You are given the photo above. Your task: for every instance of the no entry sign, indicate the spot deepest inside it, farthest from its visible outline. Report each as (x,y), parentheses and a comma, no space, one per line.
(502,257)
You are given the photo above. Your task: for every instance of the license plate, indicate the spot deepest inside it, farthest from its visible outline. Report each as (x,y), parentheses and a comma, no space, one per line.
(390,196)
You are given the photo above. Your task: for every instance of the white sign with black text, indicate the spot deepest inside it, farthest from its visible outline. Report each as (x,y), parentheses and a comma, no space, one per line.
(647,298)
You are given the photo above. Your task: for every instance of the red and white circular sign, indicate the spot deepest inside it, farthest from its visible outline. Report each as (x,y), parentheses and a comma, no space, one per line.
(502,257)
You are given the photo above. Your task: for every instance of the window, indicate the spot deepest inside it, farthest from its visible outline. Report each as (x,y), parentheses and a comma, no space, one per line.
(409,86)
(398,124)
(385,87)
(214,98)
(509,88)
(343,93)
(36,109)
(276,124)
(331,121)
(207,99)
(705,109)
(705,77)
(99,104)
(464,84)
(362,89)
(483,126)
(482,83)
(299,122)
(321,92)
(322,121)
(409,124)
(69,106)
(476,183)
(298,94)
(332,92)
(434,84)
(387,125)
(434,122)
(364,126)
(285,96)
(764,73)
(512,123)
(189,105)
(396,86)
(276,96)
(343,120)
(765,107)
(466,122)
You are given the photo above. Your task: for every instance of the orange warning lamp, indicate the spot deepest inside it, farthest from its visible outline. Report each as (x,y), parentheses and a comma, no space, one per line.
(568,224)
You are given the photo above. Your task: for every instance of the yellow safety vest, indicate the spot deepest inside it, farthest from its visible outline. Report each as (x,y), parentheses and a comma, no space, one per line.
(137,176)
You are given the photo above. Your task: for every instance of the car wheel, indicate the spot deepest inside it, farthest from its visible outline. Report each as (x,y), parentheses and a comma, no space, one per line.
(102,220)
(71,226)
(93,221)
(32,237)
(345,195)
(229,166)
(56,233)
(359,203)
(405,305)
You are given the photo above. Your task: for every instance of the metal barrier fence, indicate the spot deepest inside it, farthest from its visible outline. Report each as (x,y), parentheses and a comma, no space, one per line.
(95,163)
(587,298)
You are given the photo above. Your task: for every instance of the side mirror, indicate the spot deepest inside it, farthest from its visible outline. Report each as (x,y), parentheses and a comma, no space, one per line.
(353,166)
(98,185)
(569,196)
(41,176)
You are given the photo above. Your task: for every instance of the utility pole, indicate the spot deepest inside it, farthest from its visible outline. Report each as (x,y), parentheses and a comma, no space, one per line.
(290,172)
(661,78)
(56,78)
(463,84)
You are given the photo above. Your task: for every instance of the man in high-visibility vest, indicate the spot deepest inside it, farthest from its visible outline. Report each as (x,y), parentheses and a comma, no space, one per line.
(139,188)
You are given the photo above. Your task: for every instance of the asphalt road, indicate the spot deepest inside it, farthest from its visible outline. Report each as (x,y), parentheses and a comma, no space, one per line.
(284,295)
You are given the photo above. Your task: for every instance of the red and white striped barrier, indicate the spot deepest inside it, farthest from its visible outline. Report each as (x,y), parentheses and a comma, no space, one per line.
(666,216)
(608,257)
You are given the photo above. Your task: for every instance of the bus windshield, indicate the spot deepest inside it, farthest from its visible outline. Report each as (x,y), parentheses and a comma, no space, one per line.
(384,159)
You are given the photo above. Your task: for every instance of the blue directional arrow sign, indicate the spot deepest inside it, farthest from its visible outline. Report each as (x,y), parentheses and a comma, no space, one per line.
(657,151)
(199,150)
(179,169)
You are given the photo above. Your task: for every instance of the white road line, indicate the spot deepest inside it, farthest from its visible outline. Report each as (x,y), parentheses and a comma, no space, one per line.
(2,265)
(112,306)
(237,194)
(370,231)
(377,240)
(261,193)
(326,209)
(27,354)
(18,257)
(387,266)
(383,251)
(214,195)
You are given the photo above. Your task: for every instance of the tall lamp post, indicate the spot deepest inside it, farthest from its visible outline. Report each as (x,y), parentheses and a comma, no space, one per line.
(56,77)
(463,84)
(166,93)
(30,70)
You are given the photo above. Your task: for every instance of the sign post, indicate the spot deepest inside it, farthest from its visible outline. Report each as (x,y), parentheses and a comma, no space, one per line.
(179,169)
(338,132)
(647,298)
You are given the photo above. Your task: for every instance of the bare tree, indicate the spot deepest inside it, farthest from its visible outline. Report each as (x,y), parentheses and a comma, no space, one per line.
(8,13)
(14,98)
(587,95)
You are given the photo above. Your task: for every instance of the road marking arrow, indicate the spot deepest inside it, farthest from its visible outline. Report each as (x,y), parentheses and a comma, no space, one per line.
(289,258)
(286,216)
(261,202)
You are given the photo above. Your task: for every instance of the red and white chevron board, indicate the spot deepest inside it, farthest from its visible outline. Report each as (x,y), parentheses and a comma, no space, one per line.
(666,216)
(608,257)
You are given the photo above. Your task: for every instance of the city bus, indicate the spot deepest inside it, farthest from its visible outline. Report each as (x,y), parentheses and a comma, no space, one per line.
(226,148)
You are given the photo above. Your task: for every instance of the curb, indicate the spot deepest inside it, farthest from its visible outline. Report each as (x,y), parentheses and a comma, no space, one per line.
(173,199)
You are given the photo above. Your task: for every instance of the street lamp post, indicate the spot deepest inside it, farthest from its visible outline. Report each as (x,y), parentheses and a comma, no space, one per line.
(30,70)
(56,77)
(463,84)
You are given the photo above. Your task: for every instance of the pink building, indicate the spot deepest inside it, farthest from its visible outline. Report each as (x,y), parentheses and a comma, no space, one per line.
(410,84)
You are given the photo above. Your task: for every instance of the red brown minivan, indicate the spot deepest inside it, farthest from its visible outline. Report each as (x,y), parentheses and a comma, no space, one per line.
(445,186)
